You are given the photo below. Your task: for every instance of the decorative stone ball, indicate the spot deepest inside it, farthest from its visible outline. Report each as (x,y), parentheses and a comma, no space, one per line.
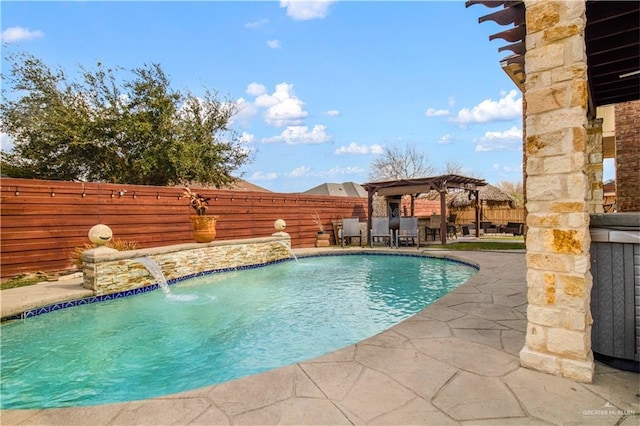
(280,225)
(100,234)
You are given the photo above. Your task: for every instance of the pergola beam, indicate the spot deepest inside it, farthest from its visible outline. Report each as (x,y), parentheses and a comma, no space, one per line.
(403,190)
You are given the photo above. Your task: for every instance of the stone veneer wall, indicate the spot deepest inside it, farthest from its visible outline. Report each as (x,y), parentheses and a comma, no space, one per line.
(107,272)
(558,339)
(628,156)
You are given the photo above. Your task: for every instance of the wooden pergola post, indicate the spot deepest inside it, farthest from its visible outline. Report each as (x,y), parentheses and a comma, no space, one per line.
(443,215)
(370,192)
(476,195)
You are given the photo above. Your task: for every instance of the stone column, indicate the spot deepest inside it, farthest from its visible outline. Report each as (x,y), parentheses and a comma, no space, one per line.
(558,337)
(594,168)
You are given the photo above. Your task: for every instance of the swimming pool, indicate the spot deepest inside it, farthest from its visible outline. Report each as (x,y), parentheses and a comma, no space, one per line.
(214,328)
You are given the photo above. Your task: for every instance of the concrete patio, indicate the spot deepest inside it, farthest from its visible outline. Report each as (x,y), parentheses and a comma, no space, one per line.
(456,362)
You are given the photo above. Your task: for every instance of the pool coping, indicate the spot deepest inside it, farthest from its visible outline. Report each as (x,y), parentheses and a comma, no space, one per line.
(454,362)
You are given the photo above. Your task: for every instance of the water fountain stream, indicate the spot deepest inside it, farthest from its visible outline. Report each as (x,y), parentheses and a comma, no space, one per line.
(156,271)
(283,244)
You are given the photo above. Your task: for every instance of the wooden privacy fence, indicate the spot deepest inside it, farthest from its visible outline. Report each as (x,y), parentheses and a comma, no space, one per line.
(42,222)
(500,215)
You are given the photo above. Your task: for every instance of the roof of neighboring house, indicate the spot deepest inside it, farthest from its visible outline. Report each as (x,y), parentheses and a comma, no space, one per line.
(243,185)
(239,185)
(345,189)
(609,186)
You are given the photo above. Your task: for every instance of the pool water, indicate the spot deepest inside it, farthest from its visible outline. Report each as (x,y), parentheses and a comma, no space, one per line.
(214,328)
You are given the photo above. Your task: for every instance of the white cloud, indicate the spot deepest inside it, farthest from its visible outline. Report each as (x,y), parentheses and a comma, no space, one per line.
(6,143)
(286,113)
(283,107)
(304,171)
(377,149)
(16,34)
(295,135)
(300,172)
(506,108)
(451,101)
(257,24)
(246,137)
(354,148)
(258,176)
(509,140)
(432,112)
(246,110)
(506,169)
(255,89)
(274,44)
(300,10)
(283,92)
(332,113)
(340,171)
(445,140)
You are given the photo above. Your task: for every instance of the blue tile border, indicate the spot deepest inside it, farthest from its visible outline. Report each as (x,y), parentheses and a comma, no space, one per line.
(389,253)
(127,293)
(96,299)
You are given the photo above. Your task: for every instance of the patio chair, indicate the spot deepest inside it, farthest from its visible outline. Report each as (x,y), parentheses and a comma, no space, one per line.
(434,226)
(488,228)
(452,228)
(351,229)
(514,228)
(381,230)
(408,230)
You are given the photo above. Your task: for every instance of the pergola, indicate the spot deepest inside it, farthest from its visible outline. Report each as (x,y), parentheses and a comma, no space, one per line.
(423,185)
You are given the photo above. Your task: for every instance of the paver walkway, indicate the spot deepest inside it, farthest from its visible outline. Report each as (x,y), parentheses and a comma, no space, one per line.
(456,362)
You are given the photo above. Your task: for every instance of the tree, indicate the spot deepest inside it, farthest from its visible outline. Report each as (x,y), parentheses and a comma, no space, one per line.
(400,164)
(103,128)
(455,168)
(515,190)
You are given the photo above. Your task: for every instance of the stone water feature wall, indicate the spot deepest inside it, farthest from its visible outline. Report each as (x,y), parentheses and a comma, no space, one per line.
(558,337)
(108,272)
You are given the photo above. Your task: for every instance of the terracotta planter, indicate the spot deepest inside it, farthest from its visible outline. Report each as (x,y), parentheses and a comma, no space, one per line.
(204,228)
(322,240)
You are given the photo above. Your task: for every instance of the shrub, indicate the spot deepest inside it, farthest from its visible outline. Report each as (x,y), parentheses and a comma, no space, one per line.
(76,255)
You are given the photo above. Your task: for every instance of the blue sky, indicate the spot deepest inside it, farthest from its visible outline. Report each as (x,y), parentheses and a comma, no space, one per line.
(325,86)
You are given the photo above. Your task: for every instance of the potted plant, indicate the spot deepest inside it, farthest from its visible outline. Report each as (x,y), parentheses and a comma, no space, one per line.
(322,238)
(204,227)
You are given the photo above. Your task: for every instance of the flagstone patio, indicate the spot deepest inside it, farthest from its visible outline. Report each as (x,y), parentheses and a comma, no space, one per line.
(456,362)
